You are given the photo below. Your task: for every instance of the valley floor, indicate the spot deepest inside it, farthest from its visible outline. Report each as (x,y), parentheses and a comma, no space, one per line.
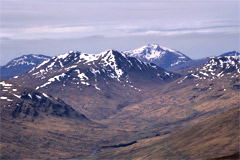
(56,138)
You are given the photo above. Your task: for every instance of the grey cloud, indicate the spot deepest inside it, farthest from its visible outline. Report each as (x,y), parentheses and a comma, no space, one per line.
(190,44)
(52,27)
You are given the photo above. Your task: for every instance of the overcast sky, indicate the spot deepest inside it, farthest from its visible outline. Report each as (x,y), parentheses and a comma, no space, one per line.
(197,28)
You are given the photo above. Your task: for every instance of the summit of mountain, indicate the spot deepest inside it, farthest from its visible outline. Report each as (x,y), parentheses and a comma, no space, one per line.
(162,56)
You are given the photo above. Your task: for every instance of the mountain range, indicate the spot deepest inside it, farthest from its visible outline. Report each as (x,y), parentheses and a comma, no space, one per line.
(198,62)
(113,79)
(113,105)
(163,57)
(169,59)
(21,65)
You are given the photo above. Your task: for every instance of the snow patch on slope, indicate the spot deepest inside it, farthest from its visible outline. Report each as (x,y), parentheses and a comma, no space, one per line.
(217,68)
(53,79)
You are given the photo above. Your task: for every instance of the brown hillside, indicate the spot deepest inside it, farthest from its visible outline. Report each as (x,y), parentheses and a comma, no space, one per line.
(209,139)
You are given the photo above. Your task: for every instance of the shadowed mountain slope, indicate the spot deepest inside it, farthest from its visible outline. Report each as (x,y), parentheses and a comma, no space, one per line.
(21,65)
(18,101)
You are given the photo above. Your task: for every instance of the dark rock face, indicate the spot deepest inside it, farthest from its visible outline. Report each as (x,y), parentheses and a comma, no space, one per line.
(22,102)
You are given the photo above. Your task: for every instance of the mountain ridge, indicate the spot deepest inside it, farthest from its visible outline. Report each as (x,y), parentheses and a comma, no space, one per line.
(21,65)
(198,62)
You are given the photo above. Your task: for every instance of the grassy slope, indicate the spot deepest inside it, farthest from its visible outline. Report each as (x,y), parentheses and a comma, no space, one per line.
(214,137)
(172,108)
(54,137)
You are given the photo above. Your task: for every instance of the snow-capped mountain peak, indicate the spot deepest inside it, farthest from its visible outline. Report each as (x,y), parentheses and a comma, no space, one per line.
(109,59)
(152,51)
(162,56)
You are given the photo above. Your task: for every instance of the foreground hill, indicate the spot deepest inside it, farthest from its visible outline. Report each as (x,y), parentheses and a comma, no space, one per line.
(21,65)
(22,102)
(210,139)
(35,125)
(96,85)
(161,56)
